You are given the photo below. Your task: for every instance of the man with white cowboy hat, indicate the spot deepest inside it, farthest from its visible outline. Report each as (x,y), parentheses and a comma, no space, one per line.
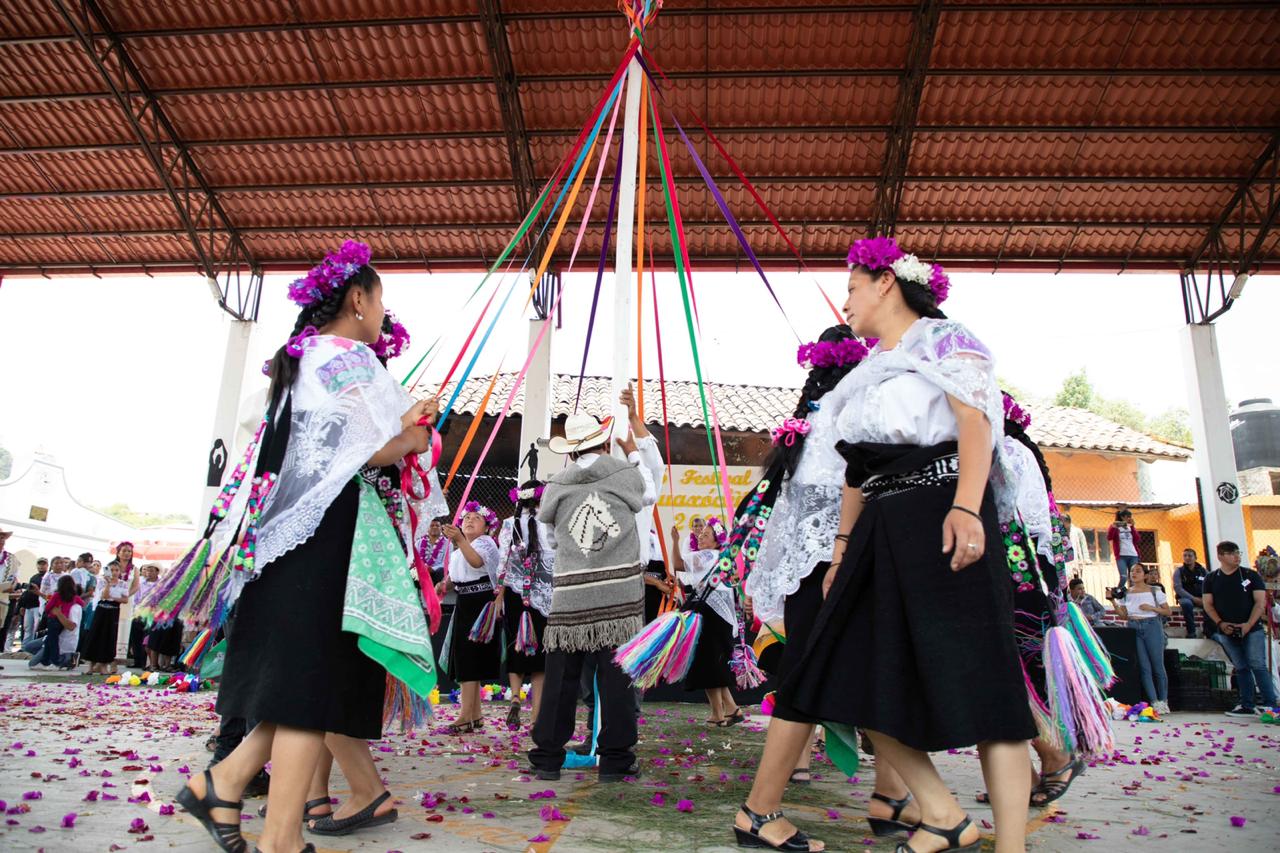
(594,507)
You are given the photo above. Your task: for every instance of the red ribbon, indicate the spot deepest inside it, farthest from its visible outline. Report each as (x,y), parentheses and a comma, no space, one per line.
(412,468)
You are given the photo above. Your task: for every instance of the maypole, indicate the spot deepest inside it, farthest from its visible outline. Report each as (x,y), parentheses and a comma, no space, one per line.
(624,330)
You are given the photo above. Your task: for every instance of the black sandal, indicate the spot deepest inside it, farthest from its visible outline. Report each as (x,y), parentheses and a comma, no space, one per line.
(513,716)
(952,835)
(798,842)
(1052,787)
(733,719)
(306,809)
(310,848)
(467,727)
(362,819)
(792,780)
(225,835)
(891,826)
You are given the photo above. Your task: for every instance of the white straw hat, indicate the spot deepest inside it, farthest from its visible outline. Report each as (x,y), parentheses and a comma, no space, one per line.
(581,432)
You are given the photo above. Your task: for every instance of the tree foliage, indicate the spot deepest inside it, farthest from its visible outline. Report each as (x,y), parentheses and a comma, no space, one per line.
(1077,392)
(133,518)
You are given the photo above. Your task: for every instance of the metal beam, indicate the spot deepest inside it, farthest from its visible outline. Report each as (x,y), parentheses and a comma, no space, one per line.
(719,130)
(520,154)
(220,251)
(897,149)
(1232,247)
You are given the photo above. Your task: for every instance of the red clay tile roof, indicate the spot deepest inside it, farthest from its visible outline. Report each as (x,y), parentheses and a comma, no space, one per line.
(1049,132)
(755,408)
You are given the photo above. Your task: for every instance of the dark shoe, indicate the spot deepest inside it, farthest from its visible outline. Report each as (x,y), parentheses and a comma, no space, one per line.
(225,835)
(952,836)
(540,774)
(258,786)
(1242,711)
(632,772)
(362,819)
(797,779)
(1052,787)
(467,727)
(882,827)
(513,716)
(732,720)
(581,749)
(798,842)
(310,848)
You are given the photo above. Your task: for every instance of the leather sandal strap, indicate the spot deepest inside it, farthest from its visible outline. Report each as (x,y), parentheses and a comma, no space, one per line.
(759,820)
(212,800)
(359,817)
(1066,768)
(897,805)
(315,804)
(952,835)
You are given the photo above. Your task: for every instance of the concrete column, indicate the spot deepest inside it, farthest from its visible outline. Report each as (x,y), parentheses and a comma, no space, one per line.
(223,440)
(535,423)
(1214,455)
(624,330)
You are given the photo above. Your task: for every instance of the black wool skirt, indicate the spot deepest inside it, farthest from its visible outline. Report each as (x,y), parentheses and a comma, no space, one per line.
(710,666)
(469,660)
(907,647)
(512,612)
(100,647)
(166,640)
(799,611)
(288,660)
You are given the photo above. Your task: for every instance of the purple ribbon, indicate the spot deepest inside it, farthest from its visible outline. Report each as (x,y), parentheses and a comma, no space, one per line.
(294,346)
(604,255)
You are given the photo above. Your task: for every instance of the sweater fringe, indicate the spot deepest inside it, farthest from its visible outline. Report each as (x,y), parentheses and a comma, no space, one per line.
(592,637)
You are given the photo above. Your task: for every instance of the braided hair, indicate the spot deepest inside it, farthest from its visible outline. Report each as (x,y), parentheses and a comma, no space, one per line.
(283,368)
(820,381)
(532,548)
(919,298)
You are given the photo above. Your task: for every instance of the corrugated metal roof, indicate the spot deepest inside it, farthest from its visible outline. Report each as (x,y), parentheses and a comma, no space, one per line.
(1099,133)
(757,408)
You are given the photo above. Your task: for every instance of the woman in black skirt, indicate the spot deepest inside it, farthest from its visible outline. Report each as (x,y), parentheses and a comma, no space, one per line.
(473,573)
(709,670)
(914,642)
(100,647)
(290,665)
(524,592)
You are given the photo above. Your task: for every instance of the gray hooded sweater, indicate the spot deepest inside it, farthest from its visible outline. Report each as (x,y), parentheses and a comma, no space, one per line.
(597,599)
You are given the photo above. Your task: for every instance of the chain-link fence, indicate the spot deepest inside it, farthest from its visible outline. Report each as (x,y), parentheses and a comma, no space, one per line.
(492,488)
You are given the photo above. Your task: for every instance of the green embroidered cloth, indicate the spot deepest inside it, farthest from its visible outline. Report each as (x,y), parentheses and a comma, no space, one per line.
(382,607)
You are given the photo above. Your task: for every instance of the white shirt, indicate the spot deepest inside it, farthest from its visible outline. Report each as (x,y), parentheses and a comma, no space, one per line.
(1080,545)
(143,586)
(48,586)
(1134,601)
(69,639)
(460,571)
(1126,542)
(720,598)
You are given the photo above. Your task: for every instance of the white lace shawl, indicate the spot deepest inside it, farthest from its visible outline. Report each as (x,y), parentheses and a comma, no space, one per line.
(513,566)
(346,407)
(805,520)
(720,599)
(951,358)
(1032,495)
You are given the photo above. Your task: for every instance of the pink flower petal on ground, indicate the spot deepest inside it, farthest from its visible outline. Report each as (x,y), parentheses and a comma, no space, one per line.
(166,810)
(659,799)
(1237,821)
(69,820)
(1142,830)
(832,814)
(551,813)
(1087,836)
(540,838)
(32,795)
(684,806)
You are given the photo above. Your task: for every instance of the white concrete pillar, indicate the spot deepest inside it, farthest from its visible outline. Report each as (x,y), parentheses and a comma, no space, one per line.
(1210,428)
(624,327)
(535,422)
(222,442)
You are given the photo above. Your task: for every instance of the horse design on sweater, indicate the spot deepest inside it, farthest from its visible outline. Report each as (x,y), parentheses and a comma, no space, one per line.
(592,525)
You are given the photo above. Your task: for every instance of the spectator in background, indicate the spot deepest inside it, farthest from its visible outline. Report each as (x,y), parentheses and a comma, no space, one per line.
(29,602)
(49,586)
(9,587)
(1124,544)
(1141,605)
(143,580)
(1079,546)
(1188,586)
(81,572)
(58,646)
(1089,606)
(1234,599)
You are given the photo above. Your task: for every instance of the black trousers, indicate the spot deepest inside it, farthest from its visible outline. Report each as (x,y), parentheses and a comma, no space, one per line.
(588,692)
(556,716)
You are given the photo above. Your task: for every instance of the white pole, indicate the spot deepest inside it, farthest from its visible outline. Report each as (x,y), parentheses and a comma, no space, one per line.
(535,423)
(1210,428)
(222,442)
(624,331)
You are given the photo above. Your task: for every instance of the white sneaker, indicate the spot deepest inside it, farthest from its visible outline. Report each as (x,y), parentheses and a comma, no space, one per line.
(1242,711)
(1162,708)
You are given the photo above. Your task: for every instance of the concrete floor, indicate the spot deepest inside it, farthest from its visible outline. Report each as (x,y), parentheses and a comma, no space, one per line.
(74,748)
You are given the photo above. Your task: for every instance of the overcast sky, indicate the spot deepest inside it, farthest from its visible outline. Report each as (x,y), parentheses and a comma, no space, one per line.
(117,377)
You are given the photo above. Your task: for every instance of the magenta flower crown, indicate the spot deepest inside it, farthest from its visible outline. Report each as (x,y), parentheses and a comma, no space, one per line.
(391,343)
(330,274)
(718,528)
(877,253)
(1014,412)
(831,353)
(534,494)
(489,516)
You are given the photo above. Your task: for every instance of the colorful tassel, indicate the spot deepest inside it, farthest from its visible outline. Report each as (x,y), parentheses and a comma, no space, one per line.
(204,601)
(1090,648)
(746,668)
(677,667)
(486,624)
(1077,704)
(1050,731)
(663,650)
(169,596)
(403,708)
(526,636)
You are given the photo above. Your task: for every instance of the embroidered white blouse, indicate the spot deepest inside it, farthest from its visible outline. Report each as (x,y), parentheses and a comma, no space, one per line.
(720,599)
(460,571)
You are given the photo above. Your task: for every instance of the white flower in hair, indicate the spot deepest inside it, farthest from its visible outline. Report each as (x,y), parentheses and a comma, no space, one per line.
(910,268)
